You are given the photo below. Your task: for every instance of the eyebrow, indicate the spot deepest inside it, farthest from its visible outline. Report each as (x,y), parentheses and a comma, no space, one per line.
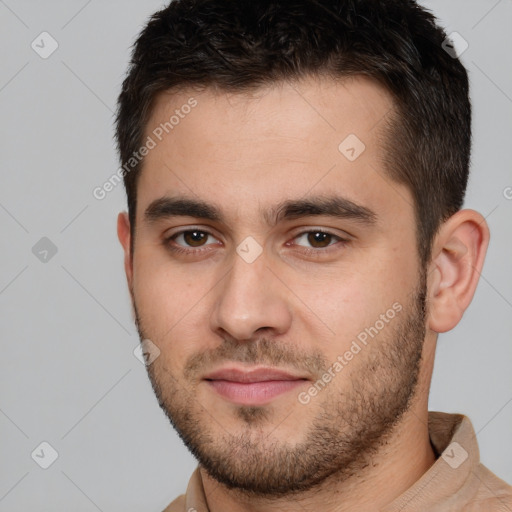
(329,206)
(166,207)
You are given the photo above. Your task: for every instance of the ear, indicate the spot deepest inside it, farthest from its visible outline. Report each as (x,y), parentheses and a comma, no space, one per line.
(457,259)
(124,235)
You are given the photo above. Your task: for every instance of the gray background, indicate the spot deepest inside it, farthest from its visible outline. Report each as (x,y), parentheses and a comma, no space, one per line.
(68,375)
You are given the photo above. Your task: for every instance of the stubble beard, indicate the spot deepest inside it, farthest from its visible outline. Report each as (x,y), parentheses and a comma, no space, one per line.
(347,428)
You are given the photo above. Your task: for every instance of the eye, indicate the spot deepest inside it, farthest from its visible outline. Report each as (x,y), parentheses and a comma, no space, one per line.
(192,238)
(317,239)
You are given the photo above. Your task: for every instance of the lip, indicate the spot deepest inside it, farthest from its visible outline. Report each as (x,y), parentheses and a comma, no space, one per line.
(257,386)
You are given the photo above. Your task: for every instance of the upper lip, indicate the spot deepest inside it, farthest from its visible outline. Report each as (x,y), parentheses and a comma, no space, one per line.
(251,375)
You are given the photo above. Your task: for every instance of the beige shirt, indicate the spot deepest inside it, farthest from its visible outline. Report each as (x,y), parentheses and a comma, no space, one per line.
(455,482)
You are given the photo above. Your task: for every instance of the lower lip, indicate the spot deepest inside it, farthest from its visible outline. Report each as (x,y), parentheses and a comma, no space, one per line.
(253,393)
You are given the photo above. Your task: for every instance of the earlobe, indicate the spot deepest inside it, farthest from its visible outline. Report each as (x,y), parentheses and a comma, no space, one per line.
(457,260)
(124,235)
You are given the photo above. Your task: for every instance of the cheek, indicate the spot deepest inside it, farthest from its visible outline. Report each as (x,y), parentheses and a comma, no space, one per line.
(164,290)
(338,293)
(344,302)
(172,306)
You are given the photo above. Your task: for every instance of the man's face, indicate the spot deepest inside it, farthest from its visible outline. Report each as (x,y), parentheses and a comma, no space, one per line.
(277,273)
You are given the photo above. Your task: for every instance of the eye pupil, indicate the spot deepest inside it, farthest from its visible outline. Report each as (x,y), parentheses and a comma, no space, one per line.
(319,239)
(195,238)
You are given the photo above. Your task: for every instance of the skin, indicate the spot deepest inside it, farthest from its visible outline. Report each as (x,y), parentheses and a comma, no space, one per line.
(297,306)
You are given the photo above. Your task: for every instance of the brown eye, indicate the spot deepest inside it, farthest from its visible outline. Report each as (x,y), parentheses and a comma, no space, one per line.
(319,239)
(192,241)
(195,238)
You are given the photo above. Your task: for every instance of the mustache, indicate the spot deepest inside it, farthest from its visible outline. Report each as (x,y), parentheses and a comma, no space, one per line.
(262,351)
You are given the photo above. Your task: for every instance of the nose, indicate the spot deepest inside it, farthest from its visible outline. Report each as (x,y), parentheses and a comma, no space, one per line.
(250,299)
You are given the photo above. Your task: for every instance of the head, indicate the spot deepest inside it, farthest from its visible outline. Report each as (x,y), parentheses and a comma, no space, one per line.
(297,206)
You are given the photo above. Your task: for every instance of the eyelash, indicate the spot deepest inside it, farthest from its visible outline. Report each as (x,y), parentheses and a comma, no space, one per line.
(338,242)
(170,243)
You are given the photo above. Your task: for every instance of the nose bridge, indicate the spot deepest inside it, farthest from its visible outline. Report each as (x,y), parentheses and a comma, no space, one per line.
(249,299)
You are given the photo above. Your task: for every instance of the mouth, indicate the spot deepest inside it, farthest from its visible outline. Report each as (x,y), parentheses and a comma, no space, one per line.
(257,386)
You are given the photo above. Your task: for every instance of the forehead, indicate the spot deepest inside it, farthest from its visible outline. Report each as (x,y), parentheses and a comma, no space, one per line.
(311,109)
(244,150)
